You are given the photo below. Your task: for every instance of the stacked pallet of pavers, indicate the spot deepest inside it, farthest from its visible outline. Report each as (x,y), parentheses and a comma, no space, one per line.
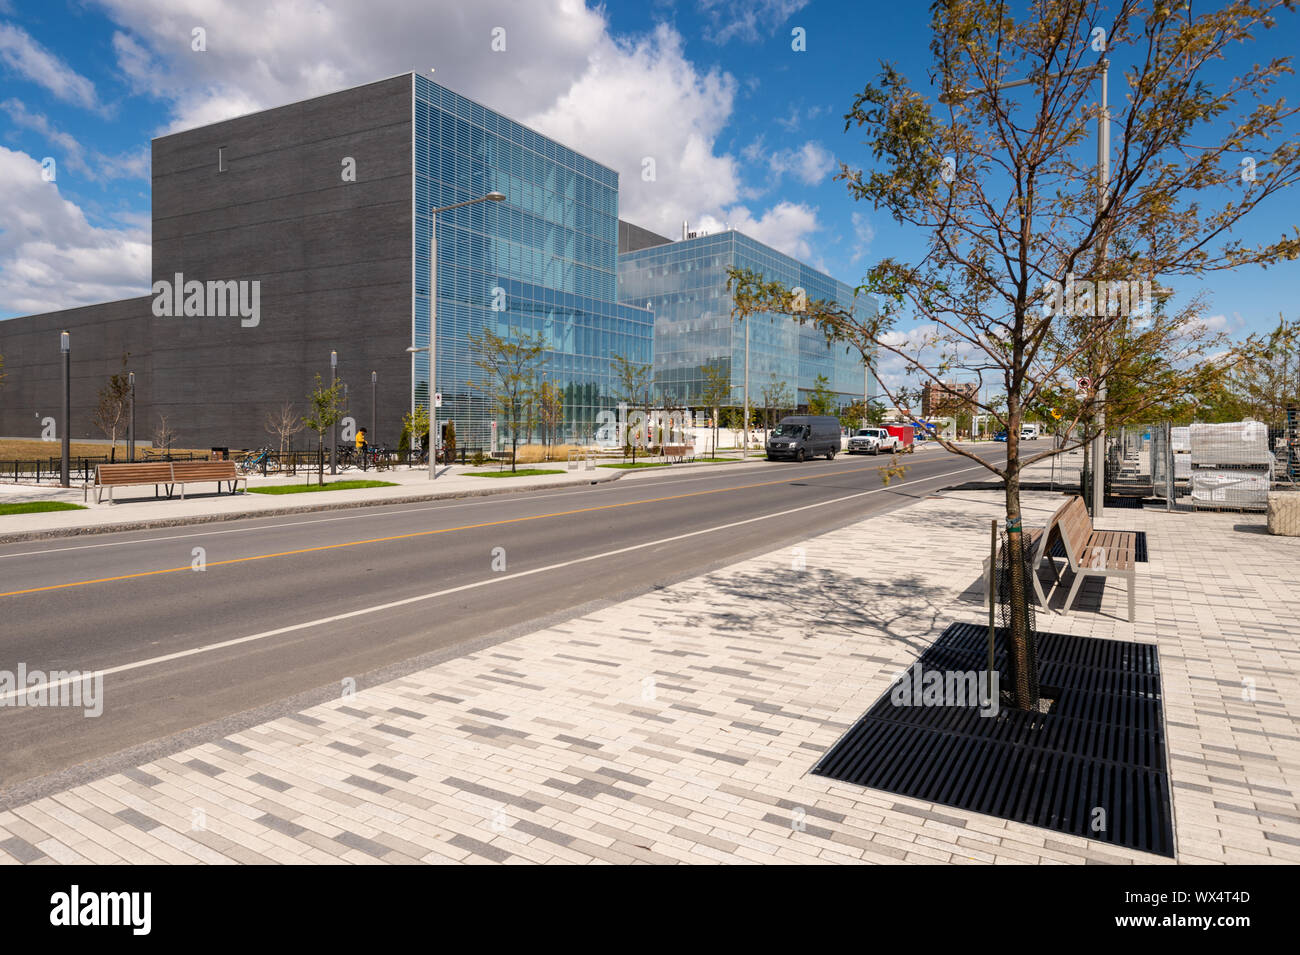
(1231,464)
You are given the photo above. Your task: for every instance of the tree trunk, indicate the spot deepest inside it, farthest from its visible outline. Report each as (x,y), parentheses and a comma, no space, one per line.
(1021,656)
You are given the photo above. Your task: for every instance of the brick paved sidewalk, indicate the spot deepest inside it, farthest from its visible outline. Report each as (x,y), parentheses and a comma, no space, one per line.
(681,725)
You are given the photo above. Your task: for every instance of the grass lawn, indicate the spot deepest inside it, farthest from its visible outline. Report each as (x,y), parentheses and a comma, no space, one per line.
(308,488)
(37,507)
(522,472)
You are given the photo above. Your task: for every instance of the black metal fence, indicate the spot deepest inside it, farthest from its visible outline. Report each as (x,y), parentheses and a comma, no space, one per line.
(80,467)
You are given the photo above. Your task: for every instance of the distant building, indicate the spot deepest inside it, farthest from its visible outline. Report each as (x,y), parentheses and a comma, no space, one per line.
(948,399)
(684,284)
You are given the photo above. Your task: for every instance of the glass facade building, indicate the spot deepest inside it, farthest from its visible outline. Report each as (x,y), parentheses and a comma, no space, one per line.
(685,283)
(543,262)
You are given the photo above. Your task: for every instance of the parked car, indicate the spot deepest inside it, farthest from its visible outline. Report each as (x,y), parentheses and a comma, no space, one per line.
(800,437)
(880,440)
(1001,435)
(1028,434)
(864,441)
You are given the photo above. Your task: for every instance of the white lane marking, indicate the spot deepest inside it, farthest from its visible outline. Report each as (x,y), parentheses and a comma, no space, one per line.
(379,608)
(488,499)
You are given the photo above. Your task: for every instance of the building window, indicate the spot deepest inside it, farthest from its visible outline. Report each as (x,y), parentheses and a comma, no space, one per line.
(221,159)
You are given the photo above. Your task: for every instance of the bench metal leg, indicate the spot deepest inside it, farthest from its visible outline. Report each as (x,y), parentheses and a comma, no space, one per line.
(1078,582)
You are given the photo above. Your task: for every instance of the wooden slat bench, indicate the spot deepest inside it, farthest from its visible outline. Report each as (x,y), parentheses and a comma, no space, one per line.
(128,475)
(168,475)
(197,472)
(1093,553)
(1039,542)
(674,451)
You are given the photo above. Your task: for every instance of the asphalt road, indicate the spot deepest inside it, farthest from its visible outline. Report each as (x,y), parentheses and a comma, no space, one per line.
(286,605)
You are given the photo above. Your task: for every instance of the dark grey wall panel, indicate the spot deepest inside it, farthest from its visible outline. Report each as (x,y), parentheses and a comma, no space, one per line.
(333,260)
(101,335)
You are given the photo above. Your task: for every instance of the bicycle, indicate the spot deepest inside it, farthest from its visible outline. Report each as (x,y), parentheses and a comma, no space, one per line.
(259,460)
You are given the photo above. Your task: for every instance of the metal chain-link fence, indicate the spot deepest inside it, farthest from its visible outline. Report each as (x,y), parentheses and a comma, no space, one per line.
(1230,465)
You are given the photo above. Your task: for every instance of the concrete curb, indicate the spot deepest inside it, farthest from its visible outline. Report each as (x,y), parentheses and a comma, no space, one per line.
(89,530)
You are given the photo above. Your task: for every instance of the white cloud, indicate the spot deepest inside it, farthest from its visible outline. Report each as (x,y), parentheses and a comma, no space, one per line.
(267,54)
(644,101)
(864,233)
(51,257)
(23,54)
(93,165)
(810,163)
(748,20)
(785,227)
(619,101)
(928,345)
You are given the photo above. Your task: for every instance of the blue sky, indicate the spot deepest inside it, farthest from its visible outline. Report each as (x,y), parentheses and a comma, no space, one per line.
(744,130)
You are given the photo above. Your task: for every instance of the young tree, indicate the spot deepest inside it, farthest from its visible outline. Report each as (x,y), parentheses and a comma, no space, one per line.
(776,397)
(821,400)
(284,424)
(326,408)
(110,412)
(415,425)
(507,365)
(163,435)
(716,392)
(997,180)
(449,442)
(633,384)
(1265,386)
(550,412)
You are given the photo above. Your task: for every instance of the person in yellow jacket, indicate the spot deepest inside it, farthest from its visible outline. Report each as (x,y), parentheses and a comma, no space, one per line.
(361,447)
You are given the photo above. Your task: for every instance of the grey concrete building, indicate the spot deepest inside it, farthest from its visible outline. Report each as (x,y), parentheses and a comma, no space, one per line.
(318,213)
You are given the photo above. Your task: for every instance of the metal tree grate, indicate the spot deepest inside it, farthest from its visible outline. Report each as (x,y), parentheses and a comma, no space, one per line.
(1093,767)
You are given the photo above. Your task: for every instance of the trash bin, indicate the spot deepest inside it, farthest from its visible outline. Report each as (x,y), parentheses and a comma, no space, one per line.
(220,454)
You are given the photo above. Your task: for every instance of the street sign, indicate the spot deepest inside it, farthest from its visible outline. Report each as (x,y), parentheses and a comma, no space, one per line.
(437,399)
(1084,383)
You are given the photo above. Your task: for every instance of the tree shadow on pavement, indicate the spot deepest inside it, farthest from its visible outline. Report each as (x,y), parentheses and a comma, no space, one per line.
(821,602)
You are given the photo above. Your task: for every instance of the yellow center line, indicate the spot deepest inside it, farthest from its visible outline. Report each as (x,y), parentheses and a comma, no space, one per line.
(398,537)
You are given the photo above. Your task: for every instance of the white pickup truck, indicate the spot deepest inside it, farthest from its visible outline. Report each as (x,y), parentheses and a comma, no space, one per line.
(873,441)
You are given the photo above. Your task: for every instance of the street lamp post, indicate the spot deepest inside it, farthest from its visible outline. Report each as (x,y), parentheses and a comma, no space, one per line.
(130,428)
(374,384)
(1103,192)
(433,324)
(334,428)
(65,346)
(744,447)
